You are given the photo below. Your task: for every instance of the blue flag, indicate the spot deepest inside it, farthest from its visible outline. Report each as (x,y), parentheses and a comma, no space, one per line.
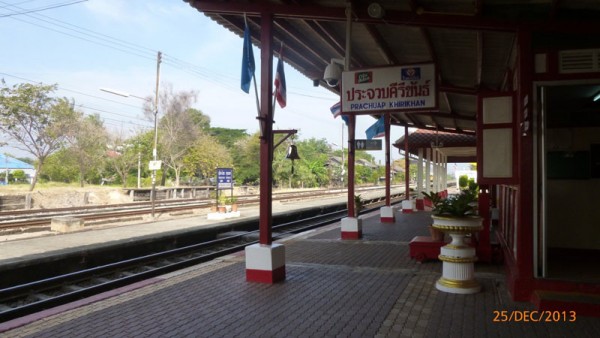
(377,129)
(247,61)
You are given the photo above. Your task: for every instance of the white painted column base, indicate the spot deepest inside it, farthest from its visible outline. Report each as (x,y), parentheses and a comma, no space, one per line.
(387,214)
(265,263)
(407,206)
(351,228)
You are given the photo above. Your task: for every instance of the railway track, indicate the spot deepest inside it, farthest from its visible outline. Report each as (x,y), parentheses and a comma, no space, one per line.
(20,300)
(41,219)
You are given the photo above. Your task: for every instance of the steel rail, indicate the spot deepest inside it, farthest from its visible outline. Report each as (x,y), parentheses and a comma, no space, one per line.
(39,218)
(20,300)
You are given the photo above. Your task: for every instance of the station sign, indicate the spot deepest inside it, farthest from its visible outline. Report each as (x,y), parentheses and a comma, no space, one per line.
(154,165)
(224,178)
(399,88)
(368,144)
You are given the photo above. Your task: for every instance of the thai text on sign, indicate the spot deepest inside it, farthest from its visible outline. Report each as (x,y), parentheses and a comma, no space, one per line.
(391,88)
(224,178)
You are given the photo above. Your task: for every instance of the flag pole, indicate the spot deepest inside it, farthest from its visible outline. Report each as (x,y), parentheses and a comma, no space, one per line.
(256,94)
(253,76)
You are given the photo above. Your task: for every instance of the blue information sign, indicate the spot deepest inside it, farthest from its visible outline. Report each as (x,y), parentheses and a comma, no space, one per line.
(224,178)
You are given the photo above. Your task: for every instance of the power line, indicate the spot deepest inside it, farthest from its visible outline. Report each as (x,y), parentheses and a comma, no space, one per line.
(42,9)
(85,34)
(87,106)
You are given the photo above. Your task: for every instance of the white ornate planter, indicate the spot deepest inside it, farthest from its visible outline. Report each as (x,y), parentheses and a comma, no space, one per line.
(458,258)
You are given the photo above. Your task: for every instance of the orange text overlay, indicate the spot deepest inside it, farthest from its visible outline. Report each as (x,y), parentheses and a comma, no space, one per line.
(534,316)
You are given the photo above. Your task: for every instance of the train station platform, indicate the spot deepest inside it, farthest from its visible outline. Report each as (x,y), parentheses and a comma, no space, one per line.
(333,288)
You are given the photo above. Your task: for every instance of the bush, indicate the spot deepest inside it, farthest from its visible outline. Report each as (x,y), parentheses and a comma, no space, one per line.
(463,181)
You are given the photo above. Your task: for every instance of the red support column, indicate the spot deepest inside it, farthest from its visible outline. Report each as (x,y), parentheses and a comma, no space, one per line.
(265,262)
(524,284)
(266,122)
(406,164)
(351,157)
(484,246)
(351,225)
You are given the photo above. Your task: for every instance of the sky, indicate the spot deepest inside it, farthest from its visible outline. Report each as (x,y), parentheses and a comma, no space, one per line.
(83,46)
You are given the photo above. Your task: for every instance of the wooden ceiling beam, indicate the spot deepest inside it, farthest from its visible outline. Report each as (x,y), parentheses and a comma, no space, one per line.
(313,11)
(444,115)
(292,46)
(479,63)
(382,46)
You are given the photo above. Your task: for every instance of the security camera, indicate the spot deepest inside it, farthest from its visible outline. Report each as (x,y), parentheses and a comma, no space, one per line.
(333,72)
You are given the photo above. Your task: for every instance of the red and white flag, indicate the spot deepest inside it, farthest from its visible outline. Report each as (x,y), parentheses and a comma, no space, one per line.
(280,89)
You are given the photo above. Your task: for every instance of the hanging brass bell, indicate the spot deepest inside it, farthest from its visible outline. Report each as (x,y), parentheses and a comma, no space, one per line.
(292,153)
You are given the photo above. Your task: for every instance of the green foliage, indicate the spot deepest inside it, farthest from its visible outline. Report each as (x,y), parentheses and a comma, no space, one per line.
(69,147)
(60,167)
(204,156)
(472,185)
(461,205)
(310,171)
(363,174)
(199,119)
(247,160)
(463,181)
(228,137)
(358,203)
(37,121)
(19,175)
(434,197)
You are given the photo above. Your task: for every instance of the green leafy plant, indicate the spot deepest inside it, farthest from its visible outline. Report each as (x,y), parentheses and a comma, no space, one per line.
(222,199)
(461,205)
(358,204)
(463,181)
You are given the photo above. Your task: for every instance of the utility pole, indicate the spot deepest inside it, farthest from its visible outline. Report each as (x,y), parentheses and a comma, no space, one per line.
(154,152)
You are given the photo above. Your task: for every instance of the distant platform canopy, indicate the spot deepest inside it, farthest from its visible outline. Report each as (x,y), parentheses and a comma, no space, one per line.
(459,148)
(11,163)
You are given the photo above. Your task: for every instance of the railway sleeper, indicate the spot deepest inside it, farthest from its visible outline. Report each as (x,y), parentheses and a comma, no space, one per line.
(42,296)
(4,308)
(72,288)
(100,280)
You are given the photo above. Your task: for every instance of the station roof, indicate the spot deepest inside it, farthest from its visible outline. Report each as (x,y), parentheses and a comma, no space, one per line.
(459,148)
(12,163)
(471,42)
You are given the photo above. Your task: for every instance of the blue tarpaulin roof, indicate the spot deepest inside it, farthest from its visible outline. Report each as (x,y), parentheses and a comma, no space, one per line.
(13,163)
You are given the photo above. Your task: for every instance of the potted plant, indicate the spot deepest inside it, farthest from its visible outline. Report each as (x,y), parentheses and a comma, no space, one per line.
(458,206)
(457,216)
(358,205)
(222,203)
(232,201)
(436,200)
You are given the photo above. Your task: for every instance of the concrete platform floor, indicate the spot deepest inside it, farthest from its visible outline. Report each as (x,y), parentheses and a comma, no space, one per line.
(333,288)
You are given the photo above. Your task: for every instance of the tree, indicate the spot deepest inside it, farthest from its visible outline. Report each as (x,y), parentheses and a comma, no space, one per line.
(39,123)
(247,160)
(309,171)
(199,119)
(178,127)
(228,137)
(122,156)
(60,167)
(206,155)
(19,175)
(88,145)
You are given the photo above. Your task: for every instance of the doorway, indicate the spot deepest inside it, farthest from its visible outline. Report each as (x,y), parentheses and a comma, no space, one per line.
(568,148)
